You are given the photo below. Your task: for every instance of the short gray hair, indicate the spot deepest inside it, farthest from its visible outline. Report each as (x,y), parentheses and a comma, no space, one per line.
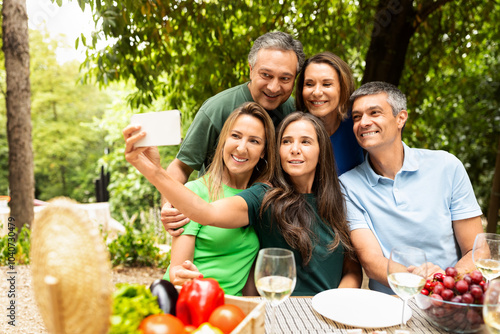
(395,98)
(280,41)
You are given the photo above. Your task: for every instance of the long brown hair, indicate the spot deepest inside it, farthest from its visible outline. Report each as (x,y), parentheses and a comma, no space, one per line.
(265,168)
(290,209)
(346,81)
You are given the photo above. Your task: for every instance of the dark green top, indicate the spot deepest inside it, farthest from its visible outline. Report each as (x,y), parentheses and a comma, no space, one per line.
(198,148)
(324,271)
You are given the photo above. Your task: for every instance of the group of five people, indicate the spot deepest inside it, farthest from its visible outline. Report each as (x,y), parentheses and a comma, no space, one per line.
(335,183)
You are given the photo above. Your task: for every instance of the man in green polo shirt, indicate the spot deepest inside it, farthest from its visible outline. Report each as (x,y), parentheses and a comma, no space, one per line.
(274,60)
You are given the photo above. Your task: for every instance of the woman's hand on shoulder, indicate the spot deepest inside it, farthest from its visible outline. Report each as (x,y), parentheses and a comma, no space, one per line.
(182,273)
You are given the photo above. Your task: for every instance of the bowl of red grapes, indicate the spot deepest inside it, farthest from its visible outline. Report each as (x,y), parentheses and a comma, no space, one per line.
(454,302)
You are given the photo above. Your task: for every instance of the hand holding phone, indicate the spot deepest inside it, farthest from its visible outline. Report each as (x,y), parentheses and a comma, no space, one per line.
(162,128)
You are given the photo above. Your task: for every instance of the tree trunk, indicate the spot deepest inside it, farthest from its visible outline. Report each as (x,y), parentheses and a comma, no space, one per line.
(393,26)
(392,30)
(494,196)
(16,50)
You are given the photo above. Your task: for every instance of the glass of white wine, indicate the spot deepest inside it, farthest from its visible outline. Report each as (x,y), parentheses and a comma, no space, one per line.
(486,254)
(406,273)
(275,277)
(491,307)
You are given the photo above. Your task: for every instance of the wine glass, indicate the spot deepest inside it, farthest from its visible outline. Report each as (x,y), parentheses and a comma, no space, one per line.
(491,307)
(275,277)
(486,255)
(406,273)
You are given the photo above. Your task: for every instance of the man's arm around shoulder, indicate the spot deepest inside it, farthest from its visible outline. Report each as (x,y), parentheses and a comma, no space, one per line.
(172,218)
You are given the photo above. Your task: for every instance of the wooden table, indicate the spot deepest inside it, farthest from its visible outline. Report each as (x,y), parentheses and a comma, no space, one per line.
(296,316)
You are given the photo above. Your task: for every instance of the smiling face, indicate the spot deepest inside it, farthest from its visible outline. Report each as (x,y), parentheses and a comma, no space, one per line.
(375,125)
(272,77)
(321,92)
(244,146)
(299,153)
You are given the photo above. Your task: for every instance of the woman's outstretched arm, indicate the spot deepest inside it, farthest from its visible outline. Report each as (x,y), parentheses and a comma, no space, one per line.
(229,212)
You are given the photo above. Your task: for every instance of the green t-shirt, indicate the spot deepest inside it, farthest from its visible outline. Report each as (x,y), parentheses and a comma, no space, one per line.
(224,254)
(324,271)
(198,147)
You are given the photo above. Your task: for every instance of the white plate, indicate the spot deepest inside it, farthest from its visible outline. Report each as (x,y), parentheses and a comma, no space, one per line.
(360,307)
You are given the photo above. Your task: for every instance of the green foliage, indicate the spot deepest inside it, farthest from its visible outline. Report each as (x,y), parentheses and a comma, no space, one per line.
(128,189)
(453,85)
(21,245)
(131,304)
(190,50)
(198,48)
(66,148)
(137,246)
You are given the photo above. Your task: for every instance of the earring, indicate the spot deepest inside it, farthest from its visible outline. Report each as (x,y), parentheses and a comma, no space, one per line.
(257,165)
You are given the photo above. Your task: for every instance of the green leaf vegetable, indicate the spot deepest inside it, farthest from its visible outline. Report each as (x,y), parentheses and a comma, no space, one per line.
(131,304)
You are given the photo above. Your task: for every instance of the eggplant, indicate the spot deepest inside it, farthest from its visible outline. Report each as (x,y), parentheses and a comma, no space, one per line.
(167,295)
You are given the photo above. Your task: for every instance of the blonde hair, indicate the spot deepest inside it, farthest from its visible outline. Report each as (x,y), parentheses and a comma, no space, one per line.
(263,170)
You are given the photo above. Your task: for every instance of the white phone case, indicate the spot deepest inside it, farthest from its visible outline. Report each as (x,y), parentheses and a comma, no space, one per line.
(162,128)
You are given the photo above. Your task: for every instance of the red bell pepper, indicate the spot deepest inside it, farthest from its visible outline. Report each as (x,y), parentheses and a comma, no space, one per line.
(197,299)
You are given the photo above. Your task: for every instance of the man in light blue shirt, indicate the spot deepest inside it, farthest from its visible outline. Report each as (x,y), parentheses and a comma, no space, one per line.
(405,196)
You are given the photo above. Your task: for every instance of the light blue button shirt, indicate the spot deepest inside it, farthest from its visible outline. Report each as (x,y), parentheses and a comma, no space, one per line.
(417,208)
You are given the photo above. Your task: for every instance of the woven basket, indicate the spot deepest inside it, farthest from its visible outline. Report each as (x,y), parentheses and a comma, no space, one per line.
(71,271)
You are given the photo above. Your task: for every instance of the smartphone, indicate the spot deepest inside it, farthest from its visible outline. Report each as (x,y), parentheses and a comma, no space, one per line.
(162,128)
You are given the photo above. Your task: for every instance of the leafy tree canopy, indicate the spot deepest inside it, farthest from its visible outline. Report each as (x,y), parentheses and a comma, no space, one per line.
(187,50)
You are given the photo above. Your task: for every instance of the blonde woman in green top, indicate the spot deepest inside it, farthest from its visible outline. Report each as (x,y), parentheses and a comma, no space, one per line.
(244,155)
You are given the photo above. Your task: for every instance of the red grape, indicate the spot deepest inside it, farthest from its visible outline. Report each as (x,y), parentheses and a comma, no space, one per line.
(438,277)
(480,299)
(473,317)
(467,278)
(467,298)
(438,289)
(476,291)
(476,276)
(449,282)
(437,300)
(447,294)
(451,271)
(425,292)
(462,286)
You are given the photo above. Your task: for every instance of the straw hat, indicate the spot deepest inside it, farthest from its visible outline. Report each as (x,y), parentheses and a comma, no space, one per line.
(71,271)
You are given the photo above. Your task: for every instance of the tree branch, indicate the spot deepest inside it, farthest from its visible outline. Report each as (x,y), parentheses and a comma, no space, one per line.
(427,10)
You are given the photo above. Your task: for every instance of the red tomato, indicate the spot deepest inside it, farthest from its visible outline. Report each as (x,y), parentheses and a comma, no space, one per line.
(226,317)
(161,324)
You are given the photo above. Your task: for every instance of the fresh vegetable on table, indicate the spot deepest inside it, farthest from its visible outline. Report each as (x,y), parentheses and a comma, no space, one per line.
(167,295)
(226,317)
(199,307)
(131,304)
(161,324)
(197,299)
